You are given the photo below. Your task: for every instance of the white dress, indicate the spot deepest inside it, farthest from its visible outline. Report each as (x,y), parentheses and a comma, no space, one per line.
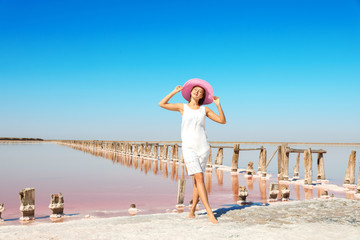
(195,145)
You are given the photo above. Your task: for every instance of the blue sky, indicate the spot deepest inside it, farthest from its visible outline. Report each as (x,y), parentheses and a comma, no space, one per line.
(284,70)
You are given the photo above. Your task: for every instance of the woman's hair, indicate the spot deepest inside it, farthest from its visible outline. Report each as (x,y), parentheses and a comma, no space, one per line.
(201,101)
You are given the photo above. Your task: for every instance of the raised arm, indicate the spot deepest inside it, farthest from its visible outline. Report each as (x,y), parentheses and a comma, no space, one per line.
(213,116)
(172,106)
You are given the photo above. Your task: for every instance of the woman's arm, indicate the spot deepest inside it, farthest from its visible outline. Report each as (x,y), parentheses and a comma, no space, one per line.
(172,106)
(213,116)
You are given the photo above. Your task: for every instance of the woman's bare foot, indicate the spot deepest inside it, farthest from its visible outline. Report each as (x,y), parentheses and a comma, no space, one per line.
(191,215)
(212,219)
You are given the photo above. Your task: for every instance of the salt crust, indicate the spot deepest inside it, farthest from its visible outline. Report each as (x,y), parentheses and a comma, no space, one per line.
(312,219)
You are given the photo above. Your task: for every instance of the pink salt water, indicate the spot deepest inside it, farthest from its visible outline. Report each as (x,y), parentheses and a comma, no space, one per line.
(105,185)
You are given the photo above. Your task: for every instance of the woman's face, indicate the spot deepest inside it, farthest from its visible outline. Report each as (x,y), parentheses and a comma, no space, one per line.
(197,92)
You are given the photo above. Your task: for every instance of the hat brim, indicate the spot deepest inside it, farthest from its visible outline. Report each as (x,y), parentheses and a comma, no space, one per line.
(190,84)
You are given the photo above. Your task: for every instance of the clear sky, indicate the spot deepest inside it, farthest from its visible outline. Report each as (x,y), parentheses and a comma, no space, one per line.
(284,70)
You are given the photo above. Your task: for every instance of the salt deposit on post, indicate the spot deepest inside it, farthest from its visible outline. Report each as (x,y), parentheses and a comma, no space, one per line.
(27,207)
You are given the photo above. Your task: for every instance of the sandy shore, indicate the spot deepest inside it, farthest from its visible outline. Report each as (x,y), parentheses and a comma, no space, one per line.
(313,219)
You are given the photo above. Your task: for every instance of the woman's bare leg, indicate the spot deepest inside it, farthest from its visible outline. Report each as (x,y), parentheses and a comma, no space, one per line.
(195,200)
(199,181)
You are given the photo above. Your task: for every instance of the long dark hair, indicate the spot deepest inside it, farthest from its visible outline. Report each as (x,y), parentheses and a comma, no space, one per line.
(201,100)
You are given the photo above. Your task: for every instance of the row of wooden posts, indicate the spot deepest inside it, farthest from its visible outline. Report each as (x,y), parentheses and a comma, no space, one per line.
(170,151)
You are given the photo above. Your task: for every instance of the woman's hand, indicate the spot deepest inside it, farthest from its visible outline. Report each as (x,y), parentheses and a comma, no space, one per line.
(178,89)
(216,100)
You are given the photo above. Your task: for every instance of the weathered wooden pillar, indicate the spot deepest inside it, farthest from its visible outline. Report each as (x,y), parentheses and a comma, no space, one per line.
(350,171)
(285,193)
(156,151)
(320,167)
(235,158)
(285,163)
(166,152)
(279,152)
(209,162)
(148,151)
(1,210)
(308,167)
(141,146)
(181,193)
(182,157)
(297,165)
(57,205)
(262,162)
(250,169)
(135,149)
(162,152)
(27,201)
(274,191)
(243,193)
(219,156)
(175,153)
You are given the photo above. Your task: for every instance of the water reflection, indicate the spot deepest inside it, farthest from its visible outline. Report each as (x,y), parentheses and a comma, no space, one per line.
(262,187)
(219,177)
(235,186)
(208,176)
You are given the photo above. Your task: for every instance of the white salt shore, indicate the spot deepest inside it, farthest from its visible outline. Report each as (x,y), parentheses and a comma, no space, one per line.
(311,219)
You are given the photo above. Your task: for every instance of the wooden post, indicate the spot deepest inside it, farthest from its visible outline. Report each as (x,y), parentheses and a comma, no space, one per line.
(209,162)
(279,160)
(57,205)
(308,167)
(219,156)
(357,192)
(260,159)
(182,157)
(27,207)
(166,152)
(350,171)
(1,210)
(297,165)
(250,169)
(285,163)
(320,167)
(274,191)
(175,153)
(181,192)
(235,158)
(162,152)
(156,147)
(262,162)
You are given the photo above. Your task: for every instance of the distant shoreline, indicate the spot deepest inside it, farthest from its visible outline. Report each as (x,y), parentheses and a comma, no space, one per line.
(20,139)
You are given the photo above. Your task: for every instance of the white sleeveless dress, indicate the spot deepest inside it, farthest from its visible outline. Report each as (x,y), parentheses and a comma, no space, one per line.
(195,145)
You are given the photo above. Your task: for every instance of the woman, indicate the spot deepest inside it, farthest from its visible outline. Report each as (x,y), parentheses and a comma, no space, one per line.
(195,146)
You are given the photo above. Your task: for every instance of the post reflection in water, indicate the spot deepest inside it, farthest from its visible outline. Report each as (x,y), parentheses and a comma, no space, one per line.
(297,189)
(235,186)
(155,167)
(182,171)
(165,169)
(250,182)
(308,193)
(208,174)
(219,176)
(262,187)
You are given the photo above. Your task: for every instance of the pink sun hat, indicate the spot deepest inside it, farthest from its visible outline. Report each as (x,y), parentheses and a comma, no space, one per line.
(190,84)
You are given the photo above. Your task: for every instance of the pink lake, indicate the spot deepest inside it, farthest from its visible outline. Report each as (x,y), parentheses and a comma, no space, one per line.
(105,186)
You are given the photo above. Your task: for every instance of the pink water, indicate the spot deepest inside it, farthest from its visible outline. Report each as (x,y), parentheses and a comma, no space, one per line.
(106,185)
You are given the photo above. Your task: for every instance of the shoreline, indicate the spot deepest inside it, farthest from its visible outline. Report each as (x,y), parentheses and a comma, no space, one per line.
(316,218)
